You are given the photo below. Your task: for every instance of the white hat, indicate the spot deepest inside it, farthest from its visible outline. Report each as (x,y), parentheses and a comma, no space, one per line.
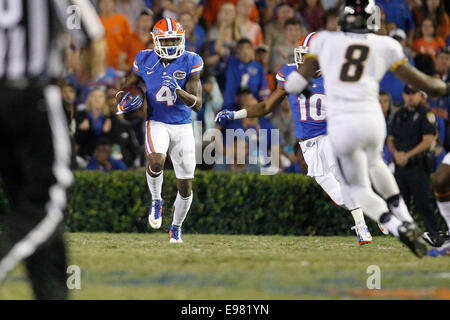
(398,33)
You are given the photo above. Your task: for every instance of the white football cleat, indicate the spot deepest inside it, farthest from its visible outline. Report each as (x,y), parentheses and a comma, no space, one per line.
(383,229)
(175,234)
(364,236)
(155,214)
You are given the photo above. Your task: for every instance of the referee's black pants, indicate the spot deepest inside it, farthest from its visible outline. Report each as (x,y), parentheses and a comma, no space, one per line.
(34,168)
(415,183)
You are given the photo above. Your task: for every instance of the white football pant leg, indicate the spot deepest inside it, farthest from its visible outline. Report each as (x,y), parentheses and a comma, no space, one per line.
(354,138)
(349,203)
(382,178)
(332,187)
(182,150)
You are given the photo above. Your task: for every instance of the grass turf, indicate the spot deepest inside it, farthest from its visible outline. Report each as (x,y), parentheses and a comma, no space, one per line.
(146,266)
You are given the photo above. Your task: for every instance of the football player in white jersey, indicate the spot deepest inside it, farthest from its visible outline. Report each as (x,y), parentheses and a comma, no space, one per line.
(309,117)
(353,61)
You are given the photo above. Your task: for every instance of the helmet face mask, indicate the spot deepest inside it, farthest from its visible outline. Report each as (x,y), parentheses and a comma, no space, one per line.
(299,54)
(169,38)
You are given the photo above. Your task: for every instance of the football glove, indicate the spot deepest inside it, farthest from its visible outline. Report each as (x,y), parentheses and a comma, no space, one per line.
(224,115)
(171,83)
(129,103)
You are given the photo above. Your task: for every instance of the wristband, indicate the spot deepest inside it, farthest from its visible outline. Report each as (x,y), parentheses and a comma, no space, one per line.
(121,91)
(241,114)
(190,107)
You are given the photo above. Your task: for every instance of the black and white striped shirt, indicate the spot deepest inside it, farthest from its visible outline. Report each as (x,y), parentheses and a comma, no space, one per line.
(30,35)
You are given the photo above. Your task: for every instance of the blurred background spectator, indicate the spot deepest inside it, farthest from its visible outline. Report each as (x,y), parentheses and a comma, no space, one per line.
(263,57)
(249,29)
(194,40)
(398,15)
(131,9)
(312,11)
(138,40)
(274,30)
(329,20)
(117,30)
(100,75)
(102,158)
(283,52)
(125,145)
(428,42)
(94,123)
(435,10)
(244,71)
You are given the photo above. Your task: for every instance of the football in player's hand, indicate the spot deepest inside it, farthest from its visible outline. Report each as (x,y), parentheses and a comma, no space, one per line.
(134,90)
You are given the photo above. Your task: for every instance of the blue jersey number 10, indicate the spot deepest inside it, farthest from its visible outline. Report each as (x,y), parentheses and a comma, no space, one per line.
(312,108)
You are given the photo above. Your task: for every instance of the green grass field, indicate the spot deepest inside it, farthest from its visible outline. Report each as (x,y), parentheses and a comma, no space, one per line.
(146,266)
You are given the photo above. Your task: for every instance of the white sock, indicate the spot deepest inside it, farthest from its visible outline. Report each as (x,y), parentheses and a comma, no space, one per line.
(358,216)
(401,211)
(182,206)
(392,225)
(444,208)
(155,184)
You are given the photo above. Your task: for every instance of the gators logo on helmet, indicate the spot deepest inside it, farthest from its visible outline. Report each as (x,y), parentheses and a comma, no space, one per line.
(169,38)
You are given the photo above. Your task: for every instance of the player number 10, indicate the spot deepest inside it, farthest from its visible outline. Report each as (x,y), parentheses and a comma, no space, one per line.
(312,108)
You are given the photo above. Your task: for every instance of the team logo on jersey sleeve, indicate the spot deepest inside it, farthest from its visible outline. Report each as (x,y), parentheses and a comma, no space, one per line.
(180,75)
(431,117)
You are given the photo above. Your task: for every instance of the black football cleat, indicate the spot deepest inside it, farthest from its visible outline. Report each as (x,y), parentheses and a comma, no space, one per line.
(436,238)
(411,236)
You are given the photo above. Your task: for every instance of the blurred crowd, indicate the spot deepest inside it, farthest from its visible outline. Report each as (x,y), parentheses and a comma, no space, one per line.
(243,43)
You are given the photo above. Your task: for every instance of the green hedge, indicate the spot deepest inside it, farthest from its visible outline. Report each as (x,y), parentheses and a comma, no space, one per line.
(223,203)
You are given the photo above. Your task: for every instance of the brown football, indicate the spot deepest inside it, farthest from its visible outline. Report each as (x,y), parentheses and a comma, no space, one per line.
(134,90)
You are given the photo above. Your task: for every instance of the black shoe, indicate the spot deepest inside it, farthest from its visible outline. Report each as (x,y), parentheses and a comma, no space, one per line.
(411,236)
(435,238)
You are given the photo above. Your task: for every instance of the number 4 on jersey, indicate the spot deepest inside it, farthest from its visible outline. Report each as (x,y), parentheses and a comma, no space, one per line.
(164,94)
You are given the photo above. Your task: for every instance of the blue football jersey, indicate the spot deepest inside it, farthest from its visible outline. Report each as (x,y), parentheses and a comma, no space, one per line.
(162,105)
(308,114)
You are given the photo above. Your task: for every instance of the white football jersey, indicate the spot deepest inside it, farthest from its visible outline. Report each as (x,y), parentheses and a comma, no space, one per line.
(352,65)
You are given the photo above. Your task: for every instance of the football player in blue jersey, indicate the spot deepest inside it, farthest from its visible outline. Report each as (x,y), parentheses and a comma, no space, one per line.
(309,117)
(173,89)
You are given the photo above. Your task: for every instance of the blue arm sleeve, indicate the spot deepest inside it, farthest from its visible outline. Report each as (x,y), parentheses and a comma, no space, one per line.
(196,64)
(281,76)
(137,64)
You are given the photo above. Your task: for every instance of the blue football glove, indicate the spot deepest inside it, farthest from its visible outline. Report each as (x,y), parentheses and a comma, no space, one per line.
(171,83)
(129,103)
(224,115)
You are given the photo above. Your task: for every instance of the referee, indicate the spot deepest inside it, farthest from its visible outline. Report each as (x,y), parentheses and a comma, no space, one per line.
(35,145)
